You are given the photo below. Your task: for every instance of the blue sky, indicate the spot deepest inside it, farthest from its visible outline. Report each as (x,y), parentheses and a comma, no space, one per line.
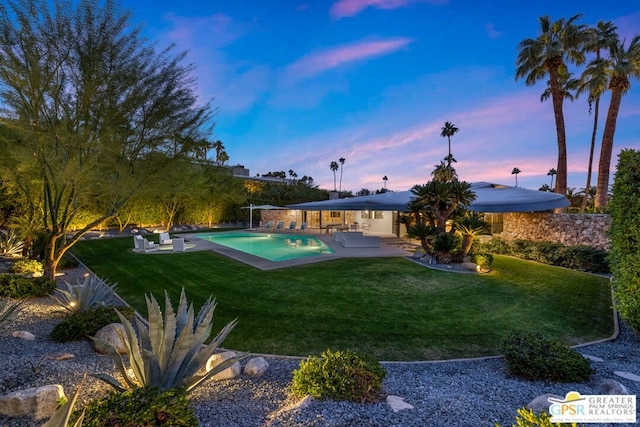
(299,84)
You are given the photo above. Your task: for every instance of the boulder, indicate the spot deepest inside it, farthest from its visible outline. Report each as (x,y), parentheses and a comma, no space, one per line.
(38,402)
(256,367)
(397,403)
(111,335)
(418,255)
(609,387)
(231,372)
(471,266)
(25,335)
(303,403)
(541,403)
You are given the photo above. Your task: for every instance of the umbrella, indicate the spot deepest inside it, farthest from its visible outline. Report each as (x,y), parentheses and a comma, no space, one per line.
(252,207)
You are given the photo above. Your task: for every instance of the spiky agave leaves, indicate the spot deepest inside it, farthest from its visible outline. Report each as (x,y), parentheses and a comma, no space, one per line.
(61,417)
(8,316)
(80,297)
(170,351)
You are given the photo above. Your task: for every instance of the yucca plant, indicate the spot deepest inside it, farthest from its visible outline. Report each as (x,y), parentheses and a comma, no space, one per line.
(169,352)
(80,297)
(10,243)
(7,316)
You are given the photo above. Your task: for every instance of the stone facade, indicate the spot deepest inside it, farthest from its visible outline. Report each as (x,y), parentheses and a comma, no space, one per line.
(567,229)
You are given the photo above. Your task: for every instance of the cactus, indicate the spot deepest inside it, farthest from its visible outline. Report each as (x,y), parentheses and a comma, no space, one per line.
(8,316)
(170,352)
(84,295)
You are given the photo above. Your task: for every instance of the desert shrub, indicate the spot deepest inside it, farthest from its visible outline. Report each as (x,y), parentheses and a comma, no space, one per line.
(79,325)
(340,375)
(145,406)
(521,248)
(483,260)
(546,252)
(67,261)
(13,286)
(584,258)
(527,418)
(26,265)
(496,246)
(532,356)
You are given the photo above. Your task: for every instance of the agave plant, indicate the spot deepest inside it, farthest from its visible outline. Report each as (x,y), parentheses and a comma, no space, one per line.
(80,297)
(7,316)
(10,243)
(169,352)
(61,417)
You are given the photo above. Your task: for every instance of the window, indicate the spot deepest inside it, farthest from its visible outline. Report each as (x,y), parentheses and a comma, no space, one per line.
(365,214)
(495,222)
(335,214)
(378,215)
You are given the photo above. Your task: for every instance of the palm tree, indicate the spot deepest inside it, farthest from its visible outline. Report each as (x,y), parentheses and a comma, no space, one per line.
(444,172)
(595,84)
(334,167)
(471,225)
(515,172)
(544,56)
(384,182)
(622,64)
(341,160)
(551,173)
(567,85)
(448,130)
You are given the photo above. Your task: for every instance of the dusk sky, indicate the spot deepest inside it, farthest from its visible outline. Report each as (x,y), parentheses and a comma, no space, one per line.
(299,84)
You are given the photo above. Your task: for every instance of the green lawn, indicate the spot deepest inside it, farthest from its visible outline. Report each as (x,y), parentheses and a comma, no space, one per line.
(390,308)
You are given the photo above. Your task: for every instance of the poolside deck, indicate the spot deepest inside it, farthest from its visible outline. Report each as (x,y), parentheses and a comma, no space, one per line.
(387,248)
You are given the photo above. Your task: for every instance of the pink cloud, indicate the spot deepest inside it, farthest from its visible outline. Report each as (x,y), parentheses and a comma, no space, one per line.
(346,8)
(323,60)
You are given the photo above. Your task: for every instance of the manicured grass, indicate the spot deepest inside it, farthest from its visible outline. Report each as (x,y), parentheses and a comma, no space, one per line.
(390,308)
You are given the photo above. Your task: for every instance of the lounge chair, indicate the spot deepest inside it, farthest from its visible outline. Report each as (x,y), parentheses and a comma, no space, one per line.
(137,242)
(292,226)
(269,224)
(280,225)
(165,239)
(303,226)
(179,245)
(149,246)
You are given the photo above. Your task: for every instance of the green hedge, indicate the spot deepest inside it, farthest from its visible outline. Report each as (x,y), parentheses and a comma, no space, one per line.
(582,257)
(13,286)
(625,237)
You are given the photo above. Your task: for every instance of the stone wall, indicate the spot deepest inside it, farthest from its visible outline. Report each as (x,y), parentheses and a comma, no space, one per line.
(567,229)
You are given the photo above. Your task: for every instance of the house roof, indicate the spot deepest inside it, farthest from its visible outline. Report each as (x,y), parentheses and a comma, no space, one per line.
(489,198)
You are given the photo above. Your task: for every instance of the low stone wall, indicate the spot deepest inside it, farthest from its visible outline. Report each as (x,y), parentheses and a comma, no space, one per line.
(567,229)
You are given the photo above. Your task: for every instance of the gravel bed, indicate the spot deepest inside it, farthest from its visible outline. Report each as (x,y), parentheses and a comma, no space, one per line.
(460,393)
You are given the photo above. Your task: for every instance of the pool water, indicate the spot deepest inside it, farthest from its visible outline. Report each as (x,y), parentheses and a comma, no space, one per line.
(274,247)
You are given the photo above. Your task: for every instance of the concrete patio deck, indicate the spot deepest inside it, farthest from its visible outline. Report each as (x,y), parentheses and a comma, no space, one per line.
(386,249)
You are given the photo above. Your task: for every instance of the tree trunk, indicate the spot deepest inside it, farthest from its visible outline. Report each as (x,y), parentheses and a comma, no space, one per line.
(596,110)
(557,96)
(467,241)
(602,188)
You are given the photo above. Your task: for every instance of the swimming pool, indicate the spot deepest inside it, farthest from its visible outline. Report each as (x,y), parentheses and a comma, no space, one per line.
(274,247)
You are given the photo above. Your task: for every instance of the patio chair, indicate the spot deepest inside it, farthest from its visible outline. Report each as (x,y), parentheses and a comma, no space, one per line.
(179,245)
(165,239)
(303,226)
(149,246)
(292,226)
(280,225)
(269,224)
(137,242)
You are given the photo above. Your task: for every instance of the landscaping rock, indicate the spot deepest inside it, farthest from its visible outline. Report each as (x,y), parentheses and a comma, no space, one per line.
(25,335)
(231,372)
(59,356)
(609,387)
(111,335)
(592,358)
(397,403)
(37,402)
(256,367)
(628,376)
(471,266)
(418,255)
(541,403)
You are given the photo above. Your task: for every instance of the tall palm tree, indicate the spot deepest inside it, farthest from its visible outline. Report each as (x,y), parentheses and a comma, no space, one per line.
(595,85)
(568,85)
(448,130)
(622,65)
(552,172)
(334,167)
(444,172)
(341,160)
(384,181)
(559,42)
(515,172)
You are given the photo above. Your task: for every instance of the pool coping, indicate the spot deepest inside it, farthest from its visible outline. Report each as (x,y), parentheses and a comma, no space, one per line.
(339,252)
